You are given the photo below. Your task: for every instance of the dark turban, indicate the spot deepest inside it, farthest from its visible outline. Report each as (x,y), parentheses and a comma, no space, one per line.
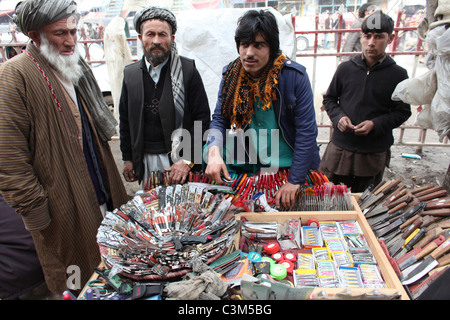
(154,13)
(33,14)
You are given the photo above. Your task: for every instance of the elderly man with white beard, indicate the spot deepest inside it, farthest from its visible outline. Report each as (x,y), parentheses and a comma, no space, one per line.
(56,167)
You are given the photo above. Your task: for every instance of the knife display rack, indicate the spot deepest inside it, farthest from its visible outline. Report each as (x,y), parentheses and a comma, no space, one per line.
(394,286)
(412,226)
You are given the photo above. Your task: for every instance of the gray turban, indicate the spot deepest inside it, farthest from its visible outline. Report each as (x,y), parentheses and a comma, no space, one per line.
(33,14)
(154,13)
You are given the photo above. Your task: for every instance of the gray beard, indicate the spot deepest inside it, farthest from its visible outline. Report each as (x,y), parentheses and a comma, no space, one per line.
(68,67)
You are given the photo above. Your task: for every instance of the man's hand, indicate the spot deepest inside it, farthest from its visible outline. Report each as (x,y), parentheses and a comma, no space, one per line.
(345,124)
(216,167)
(178,172)
(128,171)
(286,195)
(364,128)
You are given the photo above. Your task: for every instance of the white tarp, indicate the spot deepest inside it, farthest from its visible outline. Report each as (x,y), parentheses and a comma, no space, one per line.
(207,36)
(117,56)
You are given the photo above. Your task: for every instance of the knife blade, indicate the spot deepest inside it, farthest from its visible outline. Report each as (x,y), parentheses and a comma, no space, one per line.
(371,199)
(395,245)
(389,208)
(408,255)
(385,219)
(413,239)
(418,270)
(413,211)
(368,193)
(365,194)
(379,206)
(401,243)
(392,239)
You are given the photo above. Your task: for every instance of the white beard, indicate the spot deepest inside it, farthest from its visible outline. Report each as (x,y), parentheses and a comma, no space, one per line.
(67,66)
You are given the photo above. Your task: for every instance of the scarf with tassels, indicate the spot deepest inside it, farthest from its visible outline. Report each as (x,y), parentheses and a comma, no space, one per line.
(240,91)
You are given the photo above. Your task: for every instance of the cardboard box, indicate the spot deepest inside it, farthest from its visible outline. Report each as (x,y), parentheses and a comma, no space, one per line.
(388,273)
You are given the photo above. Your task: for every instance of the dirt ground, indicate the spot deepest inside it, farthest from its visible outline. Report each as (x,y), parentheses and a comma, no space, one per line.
(430,169)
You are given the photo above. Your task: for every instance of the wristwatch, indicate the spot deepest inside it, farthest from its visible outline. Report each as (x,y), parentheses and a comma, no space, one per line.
(189,163)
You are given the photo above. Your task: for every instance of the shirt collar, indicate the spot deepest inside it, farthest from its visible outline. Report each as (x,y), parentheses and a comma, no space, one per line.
(155,72)
(378,62)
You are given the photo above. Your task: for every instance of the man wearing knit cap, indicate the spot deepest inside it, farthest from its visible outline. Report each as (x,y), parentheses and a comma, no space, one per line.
(163,99)
(353,41)
(56,168)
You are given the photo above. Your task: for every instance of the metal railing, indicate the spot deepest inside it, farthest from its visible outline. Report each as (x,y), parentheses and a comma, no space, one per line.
(400,140)
(420,143)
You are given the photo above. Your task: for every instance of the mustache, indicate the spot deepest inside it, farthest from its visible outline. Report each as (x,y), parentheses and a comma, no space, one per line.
(156,46)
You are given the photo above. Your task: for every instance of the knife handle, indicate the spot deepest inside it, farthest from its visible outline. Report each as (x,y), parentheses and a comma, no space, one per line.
(381,187)
(431,235)
(438,212)
(404,199)
(433,195)
(378,186)
(398,207)
(416,209)
(443,261)
(428,191)
(429,220)
(430,247)
(413,225)
(438,203)
(392,185)
(400,192)
(442,249)
(415,239)
(420,189)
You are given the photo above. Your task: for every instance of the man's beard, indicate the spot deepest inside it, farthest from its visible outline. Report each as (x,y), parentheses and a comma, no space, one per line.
(156,59)
(67,66)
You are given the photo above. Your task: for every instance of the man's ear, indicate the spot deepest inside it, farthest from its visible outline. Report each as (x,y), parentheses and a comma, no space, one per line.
(391,38)
(35,36)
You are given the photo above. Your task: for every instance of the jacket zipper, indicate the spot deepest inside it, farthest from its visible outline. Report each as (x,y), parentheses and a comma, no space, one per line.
(243,142)
(279,118)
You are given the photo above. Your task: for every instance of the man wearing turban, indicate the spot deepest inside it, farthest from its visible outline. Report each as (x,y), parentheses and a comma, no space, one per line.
(56,167)
(163,99)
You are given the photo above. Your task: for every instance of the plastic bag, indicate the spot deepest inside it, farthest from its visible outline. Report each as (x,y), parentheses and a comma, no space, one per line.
(417,91)
(431,90)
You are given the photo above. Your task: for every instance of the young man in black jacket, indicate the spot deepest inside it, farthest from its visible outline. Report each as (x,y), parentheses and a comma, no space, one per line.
(358,102)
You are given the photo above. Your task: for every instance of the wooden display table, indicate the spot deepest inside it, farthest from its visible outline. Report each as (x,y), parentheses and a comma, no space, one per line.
(388,273)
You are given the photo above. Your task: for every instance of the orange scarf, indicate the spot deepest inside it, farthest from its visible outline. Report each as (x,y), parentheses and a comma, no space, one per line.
(240,91)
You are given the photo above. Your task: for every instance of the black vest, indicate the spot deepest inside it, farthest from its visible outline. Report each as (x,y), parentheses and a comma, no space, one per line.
(153,130)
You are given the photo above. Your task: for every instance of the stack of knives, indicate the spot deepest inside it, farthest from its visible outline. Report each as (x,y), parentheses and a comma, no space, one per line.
(413,228)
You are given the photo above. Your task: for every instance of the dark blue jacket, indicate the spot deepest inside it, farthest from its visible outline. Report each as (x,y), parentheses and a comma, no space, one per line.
(294,109)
